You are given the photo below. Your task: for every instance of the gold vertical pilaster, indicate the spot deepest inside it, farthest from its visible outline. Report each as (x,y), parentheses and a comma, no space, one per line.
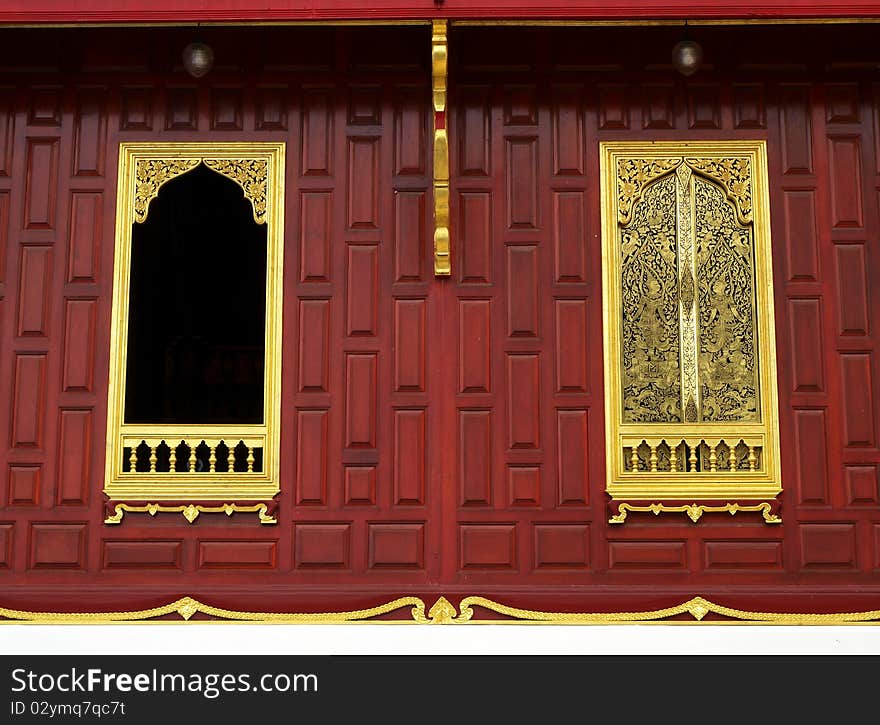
(687,275)
(439,51)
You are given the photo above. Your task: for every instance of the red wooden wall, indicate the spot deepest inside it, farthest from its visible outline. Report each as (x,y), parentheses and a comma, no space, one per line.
(438,436)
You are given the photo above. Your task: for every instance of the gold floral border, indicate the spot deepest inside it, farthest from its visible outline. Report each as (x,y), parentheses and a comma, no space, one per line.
(443,612)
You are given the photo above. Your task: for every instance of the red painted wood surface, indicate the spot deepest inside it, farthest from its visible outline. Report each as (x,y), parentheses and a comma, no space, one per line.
(105,11)
(438,436)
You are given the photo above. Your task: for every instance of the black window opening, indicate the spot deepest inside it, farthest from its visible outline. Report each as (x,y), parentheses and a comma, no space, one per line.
(197,307)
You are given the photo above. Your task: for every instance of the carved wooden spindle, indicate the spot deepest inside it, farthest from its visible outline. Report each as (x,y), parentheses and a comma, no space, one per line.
(693,458)
(191,459)
(172,459)
(673,457)
(753,459)
(212,458)
(731,458)
(713,456)
(634,458)
(250,459)
(653,457)
(153,447)
(132,459)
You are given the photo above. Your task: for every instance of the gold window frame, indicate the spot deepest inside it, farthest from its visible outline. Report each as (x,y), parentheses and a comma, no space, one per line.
(258,168)
(618,194)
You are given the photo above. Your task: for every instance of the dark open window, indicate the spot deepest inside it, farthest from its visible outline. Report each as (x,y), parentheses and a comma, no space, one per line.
(196,327)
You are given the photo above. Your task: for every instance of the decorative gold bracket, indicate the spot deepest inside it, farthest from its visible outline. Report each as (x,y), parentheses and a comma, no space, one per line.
(191,511)
(439,51)
(695,511)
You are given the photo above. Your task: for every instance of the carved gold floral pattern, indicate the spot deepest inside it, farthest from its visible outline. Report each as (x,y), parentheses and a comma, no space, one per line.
(735,175)
(150,176)
(252,175)
(632,176)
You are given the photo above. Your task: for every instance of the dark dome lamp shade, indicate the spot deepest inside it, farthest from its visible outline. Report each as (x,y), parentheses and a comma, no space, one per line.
(687,55)
(198,59)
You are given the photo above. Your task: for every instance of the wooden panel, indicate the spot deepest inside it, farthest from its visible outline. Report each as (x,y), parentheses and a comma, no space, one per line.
(364,187)
(360,485)
(409,457)
(571,346)
(519,106)
(409,345)
(364,107)
(237,554)
(475,233)
(657,109)
(522,191)
(796,130)
(397,546)
(42,183)
(321,546)
(524,485)
(570,236)
(801,235)
(79,345)
(704,109)
(45,107)
(85,238)
(7,128)
(806,335)
(852,292)
(410,131)
(24,485)
(6,537)
(647,554)
(475,451)
(57,546)
(523,400)
(360,401)
(317,132)
(828,546)
(4,229)
(137,109)
(153,554)
(311,450)
(846,182)
(315,237)
(474,135)
(562,546)
(474,340)
(522,291)
(34,285)
(314,346)
(613,107)
(568,139)
(226,109)
(487,546)
(858,400)
(812,461)
(362,290)
(271,109)
(181,110)
(90,142)
(748,104)
(741,554)
(842,103)
(861,485)
(409,236)
(75,457)
(29,396)
(572,457)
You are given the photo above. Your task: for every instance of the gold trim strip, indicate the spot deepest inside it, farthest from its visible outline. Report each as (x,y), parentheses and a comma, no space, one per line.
(695,511)
(190,511)
(439,64)
(444,612)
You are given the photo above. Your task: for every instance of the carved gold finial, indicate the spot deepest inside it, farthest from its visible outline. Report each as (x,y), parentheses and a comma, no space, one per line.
(442,612)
